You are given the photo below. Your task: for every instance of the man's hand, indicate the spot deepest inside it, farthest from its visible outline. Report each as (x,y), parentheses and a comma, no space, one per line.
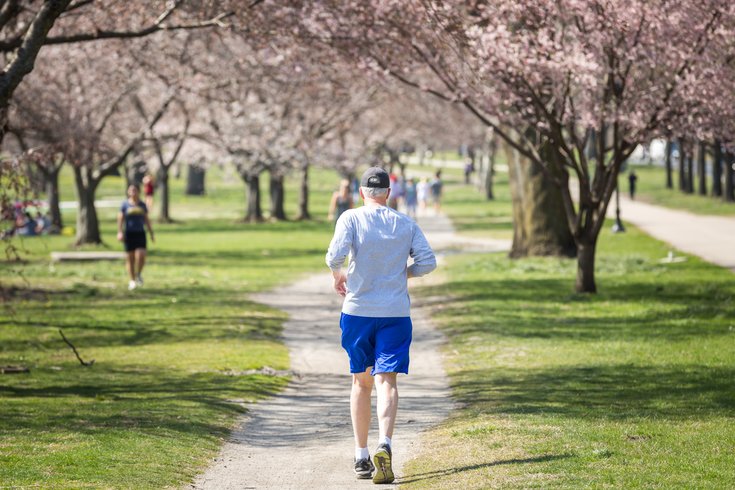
(340,282)
(119,236)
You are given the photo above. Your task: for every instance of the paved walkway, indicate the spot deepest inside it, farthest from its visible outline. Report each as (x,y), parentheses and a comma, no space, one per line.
(709,237)
(302,437)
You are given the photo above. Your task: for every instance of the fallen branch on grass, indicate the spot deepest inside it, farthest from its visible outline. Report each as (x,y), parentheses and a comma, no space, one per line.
(84,363)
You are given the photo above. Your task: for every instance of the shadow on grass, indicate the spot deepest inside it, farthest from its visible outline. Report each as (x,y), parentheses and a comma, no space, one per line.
(547,309)
(101,320)
(617,391)
(453,471)
(102,400)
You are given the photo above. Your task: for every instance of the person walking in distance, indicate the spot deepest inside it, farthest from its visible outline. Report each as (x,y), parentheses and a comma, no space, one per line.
(149,188)
(341,200)
(375,320)
(632,179)
(435,186)
(134,214)
(422,193)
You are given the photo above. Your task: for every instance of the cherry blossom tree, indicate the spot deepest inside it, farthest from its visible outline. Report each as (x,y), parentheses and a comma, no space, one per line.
(26,26)
(40,125)
(548,76)
(382,40)
(271,107)
(89,120)
(163,146)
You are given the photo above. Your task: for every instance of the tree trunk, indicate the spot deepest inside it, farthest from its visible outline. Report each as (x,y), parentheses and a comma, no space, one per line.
(717,170)
(4,120)
(729,194)
(52,192)
(539,221)
(195,181)
(88,229)
(277,195)
(682,166)
(304,195)
(165,216)
(702,169)
(490,175)
(669,172)
(586,265)
(690,171)
(253,213)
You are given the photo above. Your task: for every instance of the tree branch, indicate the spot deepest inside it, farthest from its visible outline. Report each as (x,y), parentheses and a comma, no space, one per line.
(101,34)
(110,165)
(82,361)
(8,10)
(34,38)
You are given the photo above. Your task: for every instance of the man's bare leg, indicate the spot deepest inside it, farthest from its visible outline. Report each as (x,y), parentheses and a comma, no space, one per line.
(362,389)
(387,388)
(387,409)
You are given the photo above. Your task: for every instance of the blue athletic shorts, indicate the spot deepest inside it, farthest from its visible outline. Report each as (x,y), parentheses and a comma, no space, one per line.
(382,343)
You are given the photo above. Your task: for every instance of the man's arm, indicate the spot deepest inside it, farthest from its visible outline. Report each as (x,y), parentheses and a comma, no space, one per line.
(340,282)
(424,260)
(338,250)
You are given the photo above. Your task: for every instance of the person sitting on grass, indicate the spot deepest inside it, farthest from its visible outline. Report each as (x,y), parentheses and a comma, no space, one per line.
(134,214)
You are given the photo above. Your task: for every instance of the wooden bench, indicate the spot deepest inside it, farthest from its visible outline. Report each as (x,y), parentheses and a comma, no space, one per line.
(86,256)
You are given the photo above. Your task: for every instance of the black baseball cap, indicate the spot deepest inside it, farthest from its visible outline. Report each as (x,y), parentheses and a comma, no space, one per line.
(375,177)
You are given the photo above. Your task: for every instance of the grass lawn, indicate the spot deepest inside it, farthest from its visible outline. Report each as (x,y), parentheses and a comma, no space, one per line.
(652,188)
(170,376)
(631,388)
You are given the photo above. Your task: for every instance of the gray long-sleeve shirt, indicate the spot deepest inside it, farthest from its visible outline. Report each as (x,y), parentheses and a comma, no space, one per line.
(379,241)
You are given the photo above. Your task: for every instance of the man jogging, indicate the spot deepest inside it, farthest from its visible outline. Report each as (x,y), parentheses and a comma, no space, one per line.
(375,322)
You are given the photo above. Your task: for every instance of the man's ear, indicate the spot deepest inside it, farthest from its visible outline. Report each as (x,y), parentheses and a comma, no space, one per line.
(387,195)
(361,195)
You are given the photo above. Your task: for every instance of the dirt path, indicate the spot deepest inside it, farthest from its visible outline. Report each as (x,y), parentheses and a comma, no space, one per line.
(302,438)
(709,237)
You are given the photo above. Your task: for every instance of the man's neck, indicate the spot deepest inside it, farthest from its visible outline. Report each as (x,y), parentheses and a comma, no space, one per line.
(372,203)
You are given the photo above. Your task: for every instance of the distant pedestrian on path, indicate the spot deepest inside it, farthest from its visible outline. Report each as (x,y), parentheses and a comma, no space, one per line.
(422,193)
(435,186)
(341,200)
(134,215)
(411,198)
(468,169)
(632,179)
(375,322)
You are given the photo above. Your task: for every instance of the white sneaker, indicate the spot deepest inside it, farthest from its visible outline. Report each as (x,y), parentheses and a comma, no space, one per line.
(139,280)
(132,285)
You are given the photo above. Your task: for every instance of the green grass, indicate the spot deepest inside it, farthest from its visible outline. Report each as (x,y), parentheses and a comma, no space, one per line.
(631,388)
(474,216)
(168,380)
(652,188)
